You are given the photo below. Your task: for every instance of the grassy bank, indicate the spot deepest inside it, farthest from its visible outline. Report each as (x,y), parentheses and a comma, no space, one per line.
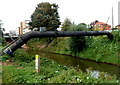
(22,70)
(99,48)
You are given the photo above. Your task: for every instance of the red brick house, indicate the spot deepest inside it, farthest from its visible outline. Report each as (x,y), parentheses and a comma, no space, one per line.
(100,26)
(118,27)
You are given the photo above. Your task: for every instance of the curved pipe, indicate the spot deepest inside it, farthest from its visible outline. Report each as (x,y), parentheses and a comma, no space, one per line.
(36,34)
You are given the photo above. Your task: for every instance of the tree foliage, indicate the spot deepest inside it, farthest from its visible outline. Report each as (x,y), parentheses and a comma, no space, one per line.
(83,24)
(76,44)
(66,25)
(1,33)
(1,29)
(45,15)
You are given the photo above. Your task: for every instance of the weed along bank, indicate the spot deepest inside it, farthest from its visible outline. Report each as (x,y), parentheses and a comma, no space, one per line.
(50,71)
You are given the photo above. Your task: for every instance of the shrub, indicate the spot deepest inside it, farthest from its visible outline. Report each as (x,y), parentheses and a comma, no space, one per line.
(76,44)
(2,41)
(116,35)
(22,56)
(4,57)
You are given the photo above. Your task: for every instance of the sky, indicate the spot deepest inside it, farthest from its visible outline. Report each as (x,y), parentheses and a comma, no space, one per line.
(12,12)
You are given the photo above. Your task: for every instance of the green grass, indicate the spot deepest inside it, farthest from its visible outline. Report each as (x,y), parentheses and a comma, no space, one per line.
(1,47)
(50,72)
(101,50)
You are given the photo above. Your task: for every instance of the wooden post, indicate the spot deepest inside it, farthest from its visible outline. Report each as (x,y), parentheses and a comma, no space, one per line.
(37,63)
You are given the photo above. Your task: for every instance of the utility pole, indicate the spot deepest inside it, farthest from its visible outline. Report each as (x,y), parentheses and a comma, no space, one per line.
(112,19)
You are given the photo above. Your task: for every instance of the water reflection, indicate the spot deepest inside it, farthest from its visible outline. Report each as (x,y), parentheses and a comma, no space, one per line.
(95,74)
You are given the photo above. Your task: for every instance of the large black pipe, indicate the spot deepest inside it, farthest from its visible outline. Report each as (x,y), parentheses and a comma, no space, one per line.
(36,34)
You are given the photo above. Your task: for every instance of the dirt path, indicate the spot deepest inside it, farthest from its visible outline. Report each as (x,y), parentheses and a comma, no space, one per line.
(6,63)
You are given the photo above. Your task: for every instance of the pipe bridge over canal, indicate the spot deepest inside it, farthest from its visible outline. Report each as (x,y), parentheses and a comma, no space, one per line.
(37,34)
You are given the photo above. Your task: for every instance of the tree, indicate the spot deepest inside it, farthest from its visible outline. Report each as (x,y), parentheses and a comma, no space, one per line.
(2,40)
(1,29)
(83,24)
(66,25)
(76,44)
(45,15)
(1,33)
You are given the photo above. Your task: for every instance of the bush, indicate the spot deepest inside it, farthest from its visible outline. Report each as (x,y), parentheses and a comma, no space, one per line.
(4,57)
(116,35)
(22,56)
(76,44)
(2,41)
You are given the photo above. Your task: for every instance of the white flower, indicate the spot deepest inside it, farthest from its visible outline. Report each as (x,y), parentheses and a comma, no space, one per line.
(78,79)
(56,71)
(64,66)
(87,77)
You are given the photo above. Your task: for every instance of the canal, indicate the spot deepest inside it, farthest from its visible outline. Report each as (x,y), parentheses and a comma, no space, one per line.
(83,64)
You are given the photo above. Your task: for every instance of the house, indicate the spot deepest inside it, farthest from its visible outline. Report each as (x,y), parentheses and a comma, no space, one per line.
(24,27)
(99,26)
(118,27)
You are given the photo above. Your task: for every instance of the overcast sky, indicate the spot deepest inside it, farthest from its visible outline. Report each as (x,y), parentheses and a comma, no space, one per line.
(12,12)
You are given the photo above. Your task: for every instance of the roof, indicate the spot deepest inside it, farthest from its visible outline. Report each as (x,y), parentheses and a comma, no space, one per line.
(99,23)
(118,25)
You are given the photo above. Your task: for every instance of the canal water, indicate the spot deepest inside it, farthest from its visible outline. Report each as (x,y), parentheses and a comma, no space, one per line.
(84,65)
